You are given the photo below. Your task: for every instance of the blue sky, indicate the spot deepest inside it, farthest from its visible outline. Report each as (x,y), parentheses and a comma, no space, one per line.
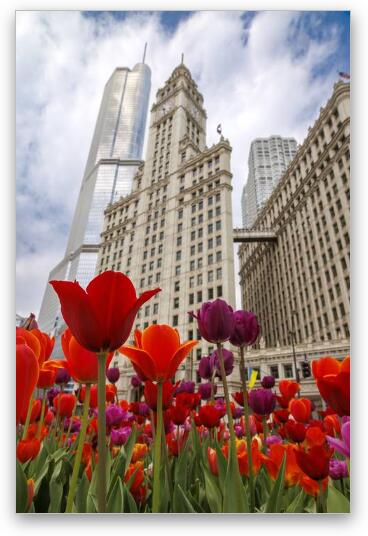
(260,73)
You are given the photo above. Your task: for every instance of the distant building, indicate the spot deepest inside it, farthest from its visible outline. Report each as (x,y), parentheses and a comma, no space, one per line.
(113,160)
(175,229)
(267,162)
(300,282)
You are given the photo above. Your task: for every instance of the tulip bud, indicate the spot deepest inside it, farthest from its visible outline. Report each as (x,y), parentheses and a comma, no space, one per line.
(62,376)
(215,321)
(228,358)
(205,390)
(120,436)
(185,387)
(246,328)
(262,401)
(135,381)
(268,382)
(113,374)
(205,368)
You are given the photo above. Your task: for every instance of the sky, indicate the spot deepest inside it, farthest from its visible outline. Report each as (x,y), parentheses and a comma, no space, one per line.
(260,73)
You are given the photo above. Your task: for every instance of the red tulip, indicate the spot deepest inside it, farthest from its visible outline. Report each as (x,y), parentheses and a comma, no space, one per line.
(333,382)
(46,378)
(158,352)
(295,431)
(190,400)
(315,436)
(150,394)
(101,317)
(82,364)
(209,416)
(28,449)
(300,409)
(314,462)
(27,370)
(178,413)
(65,403)
(35,412)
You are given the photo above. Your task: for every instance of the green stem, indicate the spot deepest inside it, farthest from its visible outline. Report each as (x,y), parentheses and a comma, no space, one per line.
(78,456)
(227,400)
(342,486)
(247,430)
(157,453)
(321,501)
(101,428)
(265,433)
(70,426)
(40,423)
(28,418)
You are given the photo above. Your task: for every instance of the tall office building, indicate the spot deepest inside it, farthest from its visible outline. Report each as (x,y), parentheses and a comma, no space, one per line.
(267,162)
(298,284)
(112,162)
(175,229)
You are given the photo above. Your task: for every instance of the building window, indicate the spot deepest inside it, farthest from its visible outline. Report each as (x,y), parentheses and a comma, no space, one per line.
(177,286)
(155,308)
(210,276)
(288,370)
(210,293)
(191,299)
(176,303)
(274,371)
(175,320)
(219,291)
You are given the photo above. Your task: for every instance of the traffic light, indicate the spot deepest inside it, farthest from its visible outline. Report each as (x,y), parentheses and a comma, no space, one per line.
(306,369)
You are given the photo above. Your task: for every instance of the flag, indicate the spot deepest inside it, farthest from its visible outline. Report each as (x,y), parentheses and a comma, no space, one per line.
(219,129)
(253,378)
(346,76)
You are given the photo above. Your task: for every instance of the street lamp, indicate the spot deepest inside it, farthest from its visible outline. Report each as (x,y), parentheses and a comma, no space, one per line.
(292,333)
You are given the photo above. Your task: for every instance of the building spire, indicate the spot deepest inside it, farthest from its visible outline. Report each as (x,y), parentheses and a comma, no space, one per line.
(182,58)
(144,52)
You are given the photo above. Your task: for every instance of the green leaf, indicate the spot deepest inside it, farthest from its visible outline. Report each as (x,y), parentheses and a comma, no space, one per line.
(181,465)
(129,501)
(181,503)
(221,465)
(234,497)
(81,494)
(41,476)
(115,504)
(273,505)
(213,494)
(337,502)
(117,470)
(297,504)
(92,501)
(21,490)
(128,448)
(56,489)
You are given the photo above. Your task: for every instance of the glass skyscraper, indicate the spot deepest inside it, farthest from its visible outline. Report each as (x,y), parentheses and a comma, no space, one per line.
(113,160)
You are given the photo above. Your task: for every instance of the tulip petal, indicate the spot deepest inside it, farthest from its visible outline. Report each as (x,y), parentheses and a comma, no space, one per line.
(160,342)
(142,359)
(178,357)
(78,314)
(325,365)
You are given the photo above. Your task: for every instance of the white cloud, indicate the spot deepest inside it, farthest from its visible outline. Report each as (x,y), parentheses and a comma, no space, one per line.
(64,60)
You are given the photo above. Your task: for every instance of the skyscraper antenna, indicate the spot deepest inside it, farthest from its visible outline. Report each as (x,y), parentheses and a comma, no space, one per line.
(144,53)
(182,57)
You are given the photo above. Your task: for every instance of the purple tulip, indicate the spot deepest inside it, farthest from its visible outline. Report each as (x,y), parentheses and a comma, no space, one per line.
(135,381)
(220,406)
(205,390)
(262,401)
(238,412)
(115,415)
(268,382)
(120,436)
(205,368)
(246,328)
(338,469)
(238,429)
(143,408)
(215,321)
(51,393)
(342,446)
(273,440)
(185,387)
(228,361)
(62,376)
(113,374)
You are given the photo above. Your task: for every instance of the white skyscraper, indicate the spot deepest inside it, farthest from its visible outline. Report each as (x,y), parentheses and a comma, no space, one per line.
(113,160)
(267,161)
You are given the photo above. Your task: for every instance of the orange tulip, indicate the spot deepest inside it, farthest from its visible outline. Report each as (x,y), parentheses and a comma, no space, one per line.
(333,382)
(274,459)
(300,409)
(311,486)
(140,450)
(27,370)
(315,436)
(288,388)
(158,352)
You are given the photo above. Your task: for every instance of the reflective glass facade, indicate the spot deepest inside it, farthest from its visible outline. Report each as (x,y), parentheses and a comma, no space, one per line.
(112,162)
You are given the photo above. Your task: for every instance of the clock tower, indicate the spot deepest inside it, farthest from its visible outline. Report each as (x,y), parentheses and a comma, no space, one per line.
(174,231)
(179,120)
